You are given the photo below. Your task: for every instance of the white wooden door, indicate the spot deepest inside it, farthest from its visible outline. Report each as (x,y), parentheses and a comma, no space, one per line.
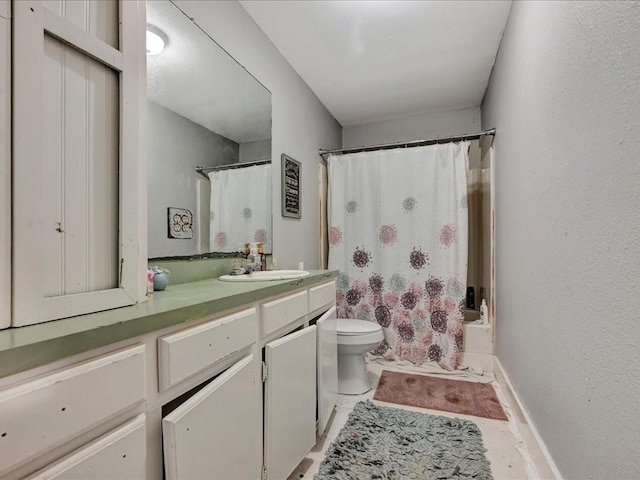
(215,435)
(5,163)
(290,402)
(77,239)
(327,366)
(120,453)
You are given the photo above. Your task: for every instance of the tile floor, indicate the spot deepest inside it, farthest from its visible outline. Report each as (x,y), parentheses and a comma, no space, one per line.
(505,449)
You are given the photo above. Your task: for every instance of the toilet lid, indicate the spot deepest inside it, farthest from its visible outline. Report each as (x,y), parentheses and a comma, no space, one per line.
(350,326)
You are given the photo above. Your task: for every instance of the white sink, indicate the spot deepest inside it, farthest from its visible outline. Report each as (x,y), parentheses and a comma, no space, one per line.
(264,276)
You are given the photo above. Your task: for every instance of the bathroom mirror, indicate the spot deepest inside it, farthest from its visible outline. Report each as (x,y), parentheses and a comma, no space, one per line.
(203,110)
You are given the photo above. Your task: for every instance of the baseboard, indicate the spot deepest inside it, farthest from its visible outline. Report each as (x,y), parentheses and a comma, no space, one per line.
(540,456)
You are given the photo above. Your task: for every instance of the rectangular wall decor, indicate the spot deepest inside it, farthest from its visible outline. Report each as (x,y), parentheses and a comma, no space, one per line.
(291,184)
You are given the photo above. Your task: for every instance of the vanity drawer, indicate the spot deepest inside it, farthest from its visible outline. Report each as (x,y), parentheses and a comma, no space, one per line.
(44,413)
(322,296)
(280,312)
(121,453)
(185,353)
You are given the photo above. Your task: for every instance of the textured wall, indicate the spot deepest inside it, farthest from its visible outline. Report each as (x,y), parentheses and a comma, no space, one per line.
(417,127)
(253,151)
(300,123)
(175,146)
(565,99)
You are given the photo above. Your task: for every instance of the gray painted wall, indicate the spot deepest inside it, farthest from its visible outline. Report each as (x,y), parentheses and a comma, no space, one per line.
(565,99)
(258,150)
(175,146)
(417,127)
(300,123)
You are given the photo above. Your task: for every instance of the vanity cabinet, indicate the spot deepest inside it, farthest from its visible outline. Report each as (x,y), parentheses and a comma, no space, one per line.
(46,413)
(237,394)
(215,434)
(121,452)
(301,377)
(290,401)
(185,353)
(258,418)
(327,361)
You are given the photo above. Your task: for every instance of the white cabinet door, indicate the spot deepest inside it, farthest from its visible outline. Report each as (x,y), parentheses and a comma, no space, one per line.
(215,435)
(5,163)
(290,402)
(77,165)
(119,454)
(327,367)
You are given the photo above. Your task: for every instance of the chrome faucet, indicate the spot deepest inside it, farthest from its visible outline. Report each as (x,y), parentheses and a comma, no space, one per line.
(248,267)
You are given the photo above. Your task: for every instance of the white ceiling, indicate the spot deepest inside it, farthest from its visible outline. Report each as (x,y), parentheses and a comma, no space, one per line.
(377,60)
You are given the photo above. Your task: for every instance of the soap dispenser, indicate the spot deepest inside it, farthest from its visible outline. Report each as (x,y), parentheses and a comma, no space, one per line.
(484,312)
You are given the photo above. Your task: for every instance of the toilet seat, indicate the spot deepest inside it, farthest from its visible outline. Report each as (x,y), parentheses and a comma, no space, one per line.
(358,332)
(350,326)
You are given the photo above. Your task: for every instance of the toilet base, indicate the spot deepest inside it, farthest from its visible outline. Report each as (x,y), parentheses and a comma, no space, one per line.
(352,373)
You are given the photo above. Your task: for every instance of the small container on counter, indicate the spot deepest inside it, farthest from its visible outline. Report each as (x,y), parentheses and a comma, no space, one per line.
(160,278)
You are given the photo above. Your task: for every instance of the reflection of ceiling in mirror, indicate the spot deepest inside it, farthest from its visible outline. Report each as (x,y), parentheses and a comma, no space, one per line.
(195,78)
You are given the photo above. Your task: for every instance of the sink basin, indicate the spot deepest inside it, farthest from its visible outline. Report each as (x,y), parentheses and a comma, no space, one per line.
(265,276)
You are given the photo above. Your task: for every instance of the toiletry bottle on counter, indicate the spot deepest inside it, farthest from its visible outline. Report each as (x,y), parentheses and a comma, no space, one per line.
(263,257)
(471,300)
(254,256)
(150,275)
(484,312)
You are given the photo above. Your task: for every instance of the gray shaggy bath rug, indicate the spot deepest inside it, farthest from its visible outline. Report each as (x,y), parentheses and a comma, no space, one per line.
(388,443)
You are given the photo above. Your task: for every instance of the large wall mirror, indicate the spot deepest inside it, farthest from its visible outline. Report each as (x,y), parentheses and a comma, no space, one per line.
(203,110)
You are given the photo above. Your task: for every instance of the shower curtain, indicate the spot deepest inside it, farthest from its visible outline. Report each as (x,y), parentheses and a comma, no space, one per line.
(240,208)
(398,235)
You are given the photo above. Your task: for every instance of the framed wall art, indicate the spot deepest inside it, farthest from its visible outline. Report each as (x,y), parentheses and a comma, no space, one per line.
(291,184)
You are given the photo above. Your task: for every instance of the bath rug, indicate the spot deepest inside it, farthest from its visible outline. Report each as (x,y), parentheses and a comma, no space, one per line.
(389,443)
(457,396)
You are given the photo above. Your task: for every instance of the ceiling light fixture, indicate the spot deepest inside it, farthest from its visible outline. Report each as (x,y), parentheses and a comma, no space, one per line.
(156,40)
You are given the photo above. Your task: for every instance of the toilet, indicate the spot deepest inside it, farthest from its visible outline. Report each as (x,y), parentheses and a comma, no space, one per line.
(355,338)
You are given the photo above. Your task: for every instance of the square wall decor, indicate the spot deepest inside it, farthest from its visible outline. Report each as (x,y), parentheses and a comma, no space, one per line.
(180,223)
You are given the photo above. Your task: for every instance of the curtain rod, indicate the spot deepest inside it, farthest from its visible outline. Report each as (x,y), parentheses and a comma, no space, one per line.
(203,170)
(414,143)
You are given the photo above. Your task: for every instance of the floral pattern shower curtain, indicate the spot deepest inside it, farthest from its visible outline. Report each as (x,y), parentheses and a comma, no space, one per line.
(240,209)
(398,235)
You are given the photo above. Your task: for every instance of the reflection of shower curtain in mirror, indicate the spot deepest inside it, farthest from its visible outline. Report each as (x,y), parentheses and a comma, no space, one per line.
(240,207)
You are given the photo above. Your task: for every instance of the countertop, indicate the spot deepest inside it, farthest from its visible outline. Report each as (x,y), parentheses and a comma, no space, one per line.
(27,347)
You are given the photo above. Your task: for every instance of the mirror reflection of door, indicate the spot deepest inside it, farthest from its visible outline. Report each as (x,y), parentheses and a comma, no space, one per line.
(203,110)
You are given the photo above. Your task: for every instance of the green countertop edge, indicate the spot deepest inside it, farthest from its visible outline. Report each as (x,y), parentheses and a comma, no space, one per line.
(28,347)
